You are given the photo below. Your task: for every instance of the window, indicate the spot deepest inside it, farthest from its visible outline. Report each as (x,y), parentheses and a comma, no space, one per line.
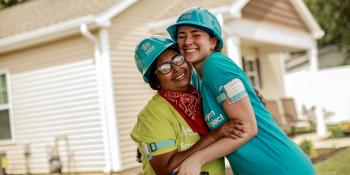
(6,132)
(252,68)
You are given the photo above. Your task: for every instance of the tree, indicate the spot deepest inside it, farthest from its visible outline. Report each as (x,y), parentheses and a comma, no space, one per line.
(9,3)
(334,18)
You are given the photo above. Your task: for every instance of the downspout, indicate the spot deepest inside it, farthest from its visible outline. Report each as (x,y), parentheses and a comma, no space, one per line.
(110,100)
(106,94)
(105,83)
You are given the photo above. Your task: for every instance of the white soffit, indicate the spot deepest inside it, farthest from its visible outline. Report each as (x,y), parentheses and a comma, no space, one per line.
(247,29)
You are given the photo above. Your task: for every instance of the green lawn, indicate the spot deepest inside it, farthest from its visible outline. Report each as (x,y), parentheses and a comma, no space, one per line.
(338,164)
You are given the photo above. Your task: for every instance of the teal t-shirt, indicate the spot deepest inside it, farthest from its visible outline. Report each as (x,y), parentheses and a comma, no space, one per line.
(271,152)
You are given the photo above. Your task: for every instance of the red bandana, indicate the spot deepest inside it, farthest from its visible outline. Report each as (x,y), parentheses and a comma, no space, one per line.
(188,104)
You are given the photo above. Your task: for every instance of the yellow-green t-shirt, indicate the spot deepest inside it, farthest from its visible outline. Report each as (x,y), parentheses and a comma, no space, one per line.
(159,121)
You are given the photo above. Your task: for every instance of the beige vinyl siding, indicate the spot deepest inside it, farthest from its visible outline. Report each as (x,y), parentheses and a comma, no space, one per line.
(54,93)
(272,72)
(131,93)
(279,12)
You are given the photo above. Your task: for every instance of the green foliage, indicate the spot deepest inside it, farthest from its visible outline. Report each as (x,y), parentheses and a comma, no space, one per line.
(337,164)
(336,131)
(334,18)
(306,146)
(339,130)
(9,3)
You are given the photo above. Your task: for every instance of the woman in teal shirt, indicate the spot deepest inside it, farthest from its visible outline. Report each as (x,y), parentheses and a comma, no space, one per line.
(226,94)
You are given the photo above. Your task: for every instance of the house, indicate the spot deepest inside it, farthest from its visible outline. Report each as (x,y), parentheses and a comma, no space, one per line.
(328,57)
(69,84)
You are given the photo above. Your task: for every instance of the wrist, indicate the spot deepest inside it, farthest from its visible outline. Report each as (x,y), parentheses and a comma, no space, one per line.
(197,156)
(215,135)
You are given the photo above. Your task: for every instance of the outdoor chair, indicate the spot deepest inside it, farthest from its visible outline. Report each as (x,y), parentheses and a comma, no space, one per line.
(272,107)
(298,122)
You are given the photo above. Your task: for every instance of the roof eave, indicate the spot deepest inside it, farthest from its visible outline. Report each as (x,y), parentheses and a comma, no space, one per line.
(44,34)
(63,29)
(308,18)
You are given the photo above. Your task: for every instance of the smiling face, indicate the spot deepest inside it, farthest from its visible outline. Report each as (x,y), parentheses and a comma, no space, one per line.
(195,44)
(178,78)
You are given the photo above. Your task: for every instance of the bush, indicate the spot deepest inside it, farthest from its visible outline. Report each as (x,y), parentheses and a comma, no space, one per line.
(306,146)
(345,126)
(336,131)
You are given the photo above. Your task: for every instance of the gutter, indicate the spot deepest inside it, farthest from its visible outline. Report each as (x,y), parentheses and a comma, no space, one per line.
(44,34)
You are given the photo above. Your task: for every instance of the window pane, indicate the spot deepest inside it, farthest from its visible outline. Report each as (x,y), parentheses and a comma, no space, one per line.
(5,130)
(251,66)
(3,90)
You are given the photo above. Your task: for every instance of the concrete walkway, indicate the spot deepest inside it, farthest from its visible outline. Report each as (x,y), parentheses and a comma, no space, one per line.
(322,142)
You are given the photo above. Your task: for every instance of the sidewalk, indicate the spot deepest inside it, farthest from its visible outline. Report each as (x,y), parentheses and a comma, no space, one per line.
(321,142)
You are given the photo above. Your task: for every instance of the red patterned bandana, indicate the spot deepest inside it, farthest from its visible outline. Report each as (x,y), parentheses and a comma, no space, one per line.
(188,104)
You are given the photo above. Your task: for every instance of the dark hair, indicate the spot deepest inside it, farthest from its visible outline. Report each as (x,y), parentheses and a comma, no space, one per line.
(138,156)
(152,79)
(211,35)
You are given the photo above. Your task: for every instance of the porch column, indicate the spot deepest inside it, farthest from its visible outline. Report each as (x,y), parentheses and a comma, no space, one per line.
(312,53)
(233,45)
(320,123)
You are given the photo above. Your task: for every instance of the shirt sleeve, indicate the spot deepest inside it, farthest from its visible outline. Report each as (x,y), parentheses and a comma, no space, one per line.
(155,125)
(224,79)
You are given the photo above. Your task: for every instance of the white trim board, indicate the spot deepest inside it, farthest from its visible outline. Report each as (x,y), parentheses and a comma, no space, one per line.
(309,20)
(247,29)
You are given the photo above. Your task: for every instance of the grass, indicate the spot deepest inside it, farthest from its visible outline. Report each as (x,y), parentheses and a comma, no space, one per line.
(338,164)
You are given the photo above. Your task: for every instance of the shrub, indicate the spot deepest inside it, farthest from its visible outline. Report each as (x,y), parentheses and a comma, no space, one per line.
(336,131)
(306,146)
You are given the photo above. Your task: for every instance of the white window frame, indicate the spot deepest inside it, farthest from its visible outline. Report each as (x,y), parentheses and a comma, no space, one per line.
(9,107)
(252,73)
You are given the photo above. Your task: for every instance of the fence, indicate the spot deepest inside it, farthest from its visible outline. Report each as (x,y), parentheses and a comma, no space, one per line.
(329,88)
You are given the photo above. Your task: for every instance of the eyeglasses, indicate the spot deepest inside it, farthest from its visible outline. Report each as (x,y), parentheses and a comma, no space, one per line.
(166,67)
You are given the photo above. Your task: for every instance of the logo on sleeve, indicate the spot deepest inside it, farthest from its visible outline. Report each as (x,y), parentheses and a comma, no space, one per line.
(235,90)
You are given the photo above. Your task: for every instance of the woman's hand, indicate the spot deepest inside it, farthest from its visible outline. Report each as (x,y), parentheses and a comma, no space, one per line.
(260,96)
(233,129)
(191,166)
